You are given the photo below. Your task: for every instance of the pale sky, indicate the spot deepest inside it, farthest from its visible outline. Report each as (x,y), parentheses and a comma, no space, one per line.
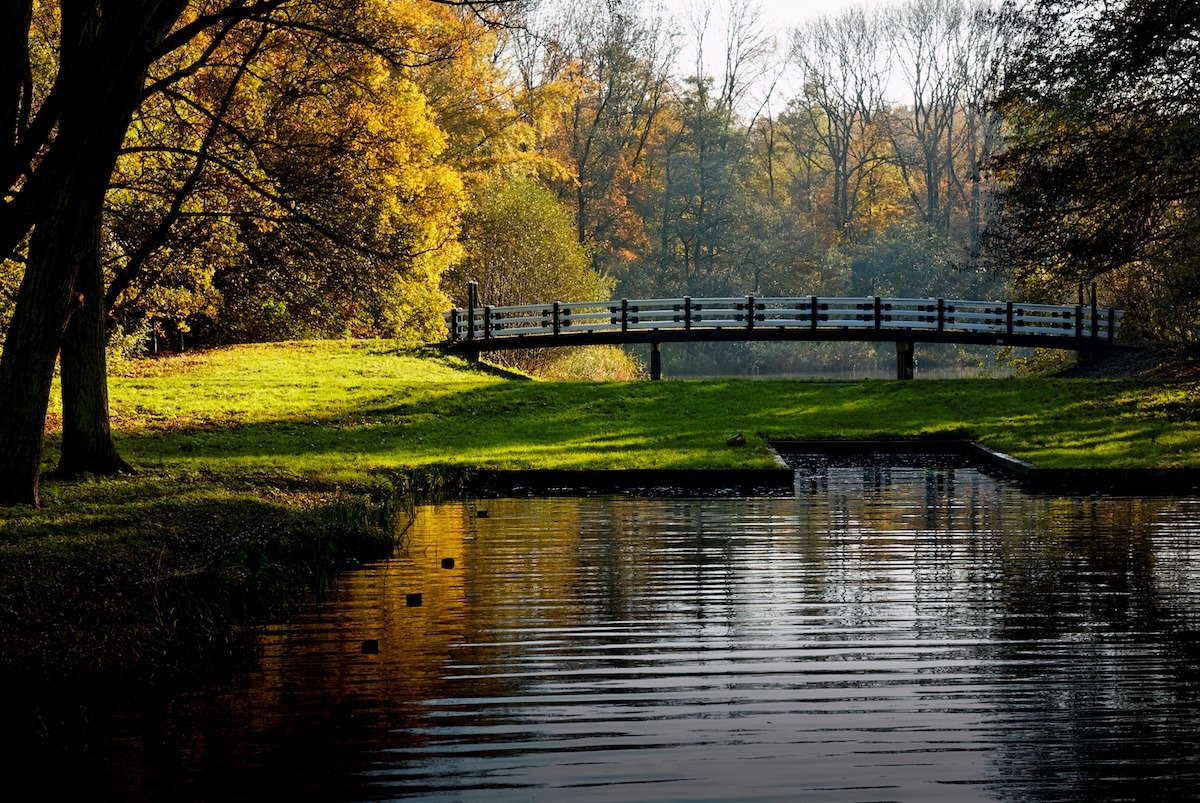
(783,14)
(788,13)
(779,16)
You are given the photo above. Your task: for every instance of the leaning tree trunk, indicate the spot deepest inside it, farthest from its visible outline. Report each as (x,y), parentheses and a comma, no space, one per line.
(44,304)
(46,301)
(87,444)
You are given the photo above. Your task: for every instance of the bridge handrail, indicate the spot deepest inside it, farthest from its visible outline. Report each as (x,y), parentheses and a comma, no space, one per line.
(805,312)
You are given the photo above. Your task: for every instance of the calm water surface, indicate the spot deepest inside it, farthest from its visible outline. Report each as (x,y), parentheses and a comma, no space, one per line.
(889,634)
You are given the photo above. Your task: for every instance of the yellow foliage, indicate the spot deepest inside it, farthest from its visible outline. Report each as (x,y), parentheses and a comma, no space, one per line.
(322,196)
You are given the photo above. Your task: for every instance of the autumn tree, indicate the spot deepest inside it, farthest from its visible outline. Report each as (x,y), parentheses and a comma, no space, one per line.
(268,208)
(472,89)
(521,248)
(703,188)
(983,58)
(932,42)
(779,231)
(598,74)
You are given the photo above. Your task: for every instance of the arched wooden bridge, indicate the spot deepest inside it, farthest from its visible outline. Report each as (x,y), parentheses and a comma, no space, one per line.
(904,321)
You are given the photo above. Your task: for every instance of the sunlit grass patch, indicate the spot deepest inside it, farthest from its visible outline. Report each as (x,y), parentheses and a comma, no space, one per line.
(355,408)
(343,411)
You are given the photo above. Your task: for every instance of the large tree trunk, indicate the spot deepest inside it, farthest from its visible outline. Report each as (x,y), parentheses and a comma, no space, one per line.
(106,48)
(48,297)
(16,79)
(87,444)
(44,305)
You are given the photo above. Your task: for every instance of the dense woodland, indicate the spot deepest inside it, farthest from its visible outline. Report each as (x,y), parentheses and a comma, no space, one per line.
(193,172)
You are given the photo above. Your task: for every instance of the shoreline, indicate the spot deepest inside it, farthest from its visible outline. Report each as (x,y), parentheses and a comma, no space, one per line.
(61,672)
(780,481)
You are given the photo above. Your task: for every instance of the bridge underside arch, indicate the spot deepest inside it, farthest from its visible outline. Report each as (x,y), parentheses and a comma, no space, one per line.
(906,342)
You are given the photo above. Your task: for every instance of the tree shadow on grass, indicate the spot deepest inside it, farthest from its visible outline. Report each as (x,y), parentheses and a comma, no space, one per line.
(642,425)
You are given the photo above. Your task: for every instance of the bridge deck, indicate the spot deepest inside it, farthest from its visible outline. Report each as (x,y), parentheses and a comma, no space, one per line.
(742,318)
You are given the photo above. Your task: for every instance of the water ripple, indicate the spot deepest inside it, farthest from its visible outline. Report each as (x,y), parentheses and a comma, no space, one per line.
(889,634)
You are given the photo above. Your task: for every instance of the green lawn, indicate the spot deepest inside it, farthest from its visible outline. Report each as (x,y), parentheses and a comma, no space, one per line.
(303,421)
(345,409)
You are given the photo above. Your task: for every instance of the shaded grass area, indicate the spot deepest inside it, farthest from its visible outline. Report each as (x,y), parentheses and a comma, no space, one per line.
(128,588)
(262,467)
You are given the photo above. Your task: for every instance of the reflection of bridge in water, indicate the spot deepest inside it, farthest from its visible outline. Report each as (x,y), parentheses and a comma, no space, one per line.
(1081,327)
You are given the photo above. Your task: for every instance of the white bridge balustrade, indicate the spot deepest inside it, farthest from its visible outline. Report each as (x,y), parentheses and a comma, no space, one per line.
(1081,327)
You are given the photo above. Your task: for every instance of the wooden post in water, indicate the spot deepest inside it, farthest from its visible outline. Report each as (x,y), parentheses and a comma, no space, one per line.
(655,363)
(905,359)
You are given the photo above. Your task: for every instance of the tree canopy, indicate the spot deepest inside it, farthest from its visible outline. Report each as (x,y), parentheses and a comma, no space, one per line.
(1101,176)
(289,156)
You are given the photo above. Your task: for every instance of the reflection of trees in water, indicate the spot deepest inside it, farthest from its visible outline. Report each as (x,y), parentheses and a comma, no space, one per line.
(1081,613)
(1094,661)
(1075,615)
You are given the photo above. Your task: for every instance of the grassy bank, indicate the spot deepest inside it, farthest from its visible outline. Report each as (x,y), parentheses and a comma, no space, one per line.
(317,428)
(260,466)
(340,412)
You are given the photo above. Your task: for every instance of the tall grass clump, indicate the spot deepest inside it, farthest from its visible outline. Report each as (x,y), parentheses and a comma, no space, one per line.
(593,364)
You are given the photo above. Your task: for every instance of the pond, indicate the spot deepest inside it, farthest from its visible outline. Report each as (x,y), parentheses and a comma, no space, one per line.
(888,633)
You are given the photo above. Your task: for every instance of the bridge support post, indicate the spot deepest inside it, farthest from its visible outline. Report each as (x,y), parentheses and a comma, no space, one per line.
(472,303)
(655,363)
(905,359)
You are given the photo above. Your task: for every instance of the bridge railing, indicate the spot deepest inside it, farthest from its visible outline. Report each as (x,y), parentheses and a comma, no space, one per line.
(1000,318)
